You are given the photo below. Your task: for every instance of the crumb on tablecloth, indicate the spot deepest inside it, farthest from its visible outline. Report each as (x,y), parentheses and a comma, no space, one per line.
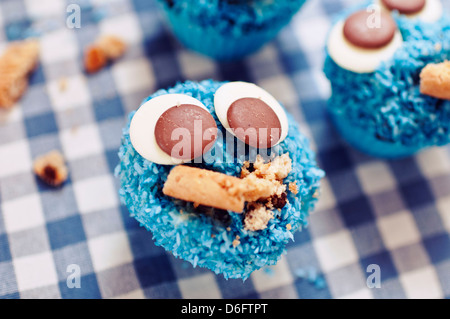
(105,49)
(16,64)
(51,168)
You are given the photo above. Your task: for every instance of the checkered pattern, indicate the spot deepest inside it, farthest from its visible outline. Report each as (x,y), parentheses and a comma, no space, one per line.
(395,214)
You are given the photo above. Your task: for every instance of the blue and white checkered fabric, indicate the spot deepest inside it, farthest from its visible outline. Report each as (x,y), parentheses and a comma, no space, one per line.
(395,214)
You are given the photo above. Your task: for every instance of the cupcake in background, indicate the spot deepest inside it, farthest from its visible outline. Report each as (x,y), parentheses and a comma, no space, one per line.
(228,29)
(387,65)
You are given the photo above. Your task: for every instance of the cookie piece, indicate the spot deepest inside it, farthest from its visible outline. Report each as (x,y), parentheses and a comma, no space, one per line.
(206,188)
(435,80)
(51,168)
(94,59)
(16,63)
(257,217)
(112,46)
(105,49)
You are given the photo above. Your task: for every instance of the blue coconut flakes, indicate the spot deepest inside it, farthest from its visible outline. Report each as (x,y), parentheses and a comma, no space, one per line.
(388,102)
(197,238)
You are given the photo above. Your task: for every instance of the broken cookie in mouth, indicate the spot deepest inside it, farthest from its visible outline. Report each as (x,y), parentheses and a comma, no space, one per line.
(220,199)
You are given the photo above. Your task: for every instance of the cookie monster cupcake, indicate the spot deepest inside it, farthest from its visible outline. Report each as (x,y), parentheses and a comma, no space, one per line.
(219,173)
(386,62)
(228,29)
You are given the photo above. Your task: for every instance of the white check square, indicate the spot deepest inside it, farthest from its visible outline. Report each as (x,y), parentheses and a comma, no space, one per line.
(199,287)
(398,230)
(282,90)
(97,193)
(58,46)
(195,66)
(46,8)
(23,213)
(124,26)
(74,94)
(133,75)
(281,276)
(82,142)
(434,161)
(360,294)
(35,271)
(335,250)
(375,177)
(421,284)
(136,294)
(110,251)
(443,206)
(15,158)
(326,196)
(303,28)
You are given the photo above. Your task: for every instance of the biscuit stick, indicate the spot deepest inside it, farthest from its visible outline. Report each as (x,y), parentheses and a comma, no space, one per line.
(205,187)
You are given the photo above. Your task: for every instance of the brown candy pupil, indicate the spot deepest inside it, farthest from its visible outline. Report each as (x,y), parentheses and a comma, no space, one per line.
(186,131)
(254,122)
(405,6)
(366,30)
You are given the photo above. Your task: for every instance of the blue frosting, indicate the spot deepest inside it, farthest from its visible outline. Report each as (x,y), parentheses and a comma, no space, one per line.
(235,17)
(387,104)
(228,30)
(200,239)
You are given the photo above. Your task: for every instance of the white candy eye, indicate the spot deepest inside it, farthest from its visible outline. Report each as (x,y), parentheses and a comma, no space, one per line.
(172,129)
(364,40)
(425,10)
(251,114)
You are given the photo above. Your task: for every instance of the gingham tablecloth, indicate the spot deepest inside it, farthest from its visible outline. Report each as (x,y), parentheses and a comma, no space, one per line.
(393,214)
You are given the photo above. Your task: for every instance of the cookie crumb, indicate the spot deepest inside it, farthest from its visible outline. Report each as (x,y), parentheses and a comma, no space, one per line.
(316,194)
(51,168)
(288,226)
(236,241)
(63,84)
(113,47)
(107,48)
(94,59)
(257,217)
(438,46)
(293,187)
(277,169)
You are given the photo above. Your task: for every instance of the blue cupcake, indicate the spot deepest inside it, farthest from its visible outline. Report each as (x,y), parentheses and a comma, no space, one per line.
(379,103)
(225,241)
(228,29)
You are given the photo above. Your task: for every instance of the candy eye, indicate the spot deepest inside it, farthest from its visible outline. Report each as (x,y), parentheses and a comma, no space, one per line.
(364,40)
(251,114)
(425,10)
(172,129)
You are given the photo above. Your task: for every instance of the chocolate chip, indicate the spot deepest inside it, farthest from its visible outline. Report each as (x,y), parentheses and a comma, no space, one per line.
(170,3)
(363,30)
(217,214)
(279,201)
(405,6)
(196,127)
(49,173)
(222,216)
(253,206)
(254,122)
